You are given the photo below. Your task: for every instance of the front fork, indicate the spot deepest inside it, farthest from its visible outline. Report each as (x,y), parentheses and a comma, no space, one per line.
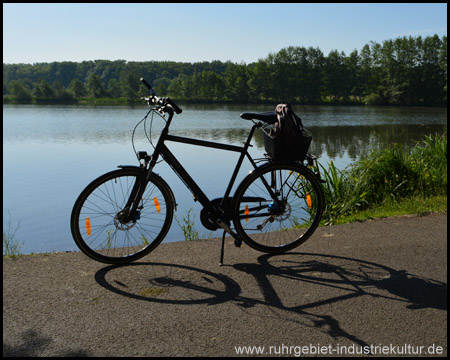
(131,210)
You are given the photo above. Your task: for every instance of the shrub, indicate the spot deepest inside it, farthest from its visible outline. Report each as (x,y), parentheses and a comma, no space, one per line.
(391,173)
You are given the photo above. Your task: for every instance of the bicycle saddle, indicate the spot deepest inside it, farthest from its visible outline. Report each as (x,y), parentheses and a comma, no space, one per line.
(268,117)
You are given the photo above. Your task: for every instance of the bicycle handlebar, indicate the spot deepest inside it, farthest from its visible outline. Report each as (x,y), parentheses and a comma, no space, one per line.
(147,85)
(160,101)
(174,106)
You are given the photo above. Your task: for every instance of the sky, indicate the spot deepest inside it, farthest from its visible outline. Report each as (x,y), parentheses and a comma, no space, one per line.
(237,32)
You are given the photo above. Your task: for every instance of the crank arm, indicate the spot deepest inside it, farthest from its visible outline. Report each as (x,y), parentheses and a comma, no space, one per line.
(226,228)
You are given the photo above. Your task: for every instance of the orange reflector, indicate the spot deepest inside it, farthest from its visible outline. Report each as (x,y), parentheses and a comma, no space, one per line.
(158,208)
(308,200)
(88,226)
(246,212)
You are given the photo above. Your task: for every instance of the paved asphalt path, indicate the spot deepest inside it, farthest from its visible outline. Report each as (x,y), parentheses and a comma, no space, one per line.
(378,286)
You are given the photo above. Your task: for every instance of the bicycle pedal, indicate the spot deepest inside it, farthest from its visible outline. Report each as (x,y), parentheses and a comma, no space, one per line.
(238,243)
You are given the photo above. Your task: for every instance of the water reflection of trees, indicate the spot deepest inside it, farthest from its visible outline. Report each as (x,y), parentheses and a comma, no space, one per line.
(348,142)
(359,141)
(333,141)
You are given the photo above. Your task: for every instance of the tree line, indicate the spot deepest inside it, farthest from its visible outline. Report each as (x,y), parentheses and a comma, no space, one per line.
(403,71)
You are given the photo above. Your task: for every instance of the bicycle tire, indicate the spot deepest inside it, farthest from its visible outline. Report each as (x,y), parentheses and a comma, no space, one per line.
(278,225)
(94,221)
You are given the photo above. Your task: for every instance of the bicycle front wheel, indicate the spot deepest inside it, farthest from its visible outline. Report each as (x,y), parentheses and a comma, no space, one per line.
(97,221)
(277,207)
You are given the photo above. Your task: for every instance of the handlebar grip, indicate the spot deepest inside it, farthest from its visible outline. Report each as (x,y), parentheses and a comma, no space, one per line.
(147,85)
(175,107)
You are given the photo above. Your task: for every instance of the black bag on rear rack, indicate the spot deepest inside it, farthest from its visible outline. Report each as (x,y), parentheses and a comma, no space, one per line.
(288,140)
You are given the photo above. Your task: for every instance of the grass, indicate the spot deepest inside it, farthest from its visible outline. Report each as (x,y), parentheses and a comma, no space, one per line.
(11,244)
(387,178)
(408,206)
(187,226)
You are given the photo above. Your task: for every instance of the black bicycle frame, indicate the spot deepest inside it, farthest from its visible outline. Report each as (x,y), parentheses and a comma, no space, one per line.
(162,150)
(187,179)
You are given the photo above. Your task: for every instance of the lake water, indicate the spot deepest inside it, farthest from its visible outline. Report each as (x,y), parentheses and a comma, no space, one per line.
(50,153)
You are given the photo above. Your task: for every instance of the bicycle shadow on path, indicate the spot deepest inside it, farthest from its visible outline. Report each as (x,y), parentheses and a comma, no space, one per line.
(294,283)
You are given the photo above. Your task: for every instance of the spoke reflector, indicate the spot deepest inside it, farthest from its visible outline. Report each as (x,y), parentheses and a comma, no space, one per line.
(308,201)
(88,226)
(246,212)
(158,207)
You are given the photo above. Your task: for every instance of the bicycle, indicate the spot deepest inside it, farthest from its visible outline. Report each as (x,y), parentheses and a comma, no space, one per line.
(125,214)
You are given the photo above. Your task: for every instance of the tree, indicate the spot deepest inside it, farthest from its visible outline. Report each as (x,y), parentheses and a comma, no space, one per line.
(432,74)
(43,90)
(76,88)
(210,86)
(375,88)
(20,92)
(161,86)
(353,66)
(365,70)
(279,64)
(403,71)
(297,68)
(95,87)
(314,77)
(404,74)
(61,93)
(114,88)
(130,85)
(337,75)
(236,86)
(175,88)
(443,68)
(260,81)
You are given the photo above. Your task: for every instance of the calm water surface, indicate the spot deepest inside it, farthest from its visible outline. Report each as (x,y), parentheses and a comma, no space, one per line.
(50,153)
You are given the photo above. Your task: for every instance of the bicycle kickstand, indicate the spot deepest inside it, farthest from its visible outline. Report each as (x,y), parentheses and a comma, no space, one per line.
(222,249)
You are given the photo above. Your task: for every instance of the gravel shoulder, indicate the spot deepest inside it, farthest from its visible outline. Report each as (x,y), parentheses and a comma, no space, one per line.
(374,286)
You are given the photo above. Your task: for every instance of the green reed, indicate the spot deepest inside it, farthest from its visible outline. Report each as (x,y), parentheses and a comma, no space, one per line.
(393,173)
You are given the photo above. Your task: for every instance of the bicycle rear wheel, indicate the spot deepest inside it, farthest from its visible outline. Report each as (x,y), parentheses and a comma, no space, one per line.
(97,221)
(277,207)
